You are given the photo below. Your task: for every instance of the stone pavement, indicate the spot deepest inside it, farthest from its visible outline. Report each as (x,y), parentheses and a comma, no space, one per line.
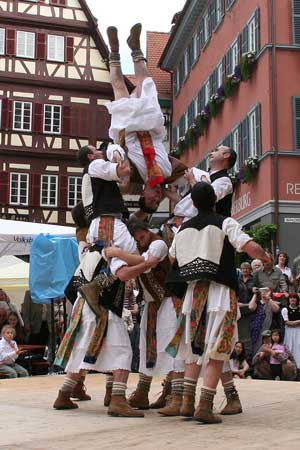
(271,419)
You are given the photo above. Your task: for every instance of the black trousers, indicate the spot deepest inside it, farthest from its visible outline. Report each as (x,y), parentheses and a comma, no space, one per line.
(276,370)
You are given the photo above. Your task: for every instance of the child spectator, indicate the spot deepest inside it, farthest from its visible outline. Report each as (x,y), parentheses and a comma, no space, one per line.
(8,354)
(278,354)
(291,317)
(238,363)
(14,322)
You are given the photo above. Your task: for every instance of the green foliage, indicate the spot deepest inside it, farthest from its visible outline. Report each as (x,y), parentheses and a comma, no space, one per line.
(263,235)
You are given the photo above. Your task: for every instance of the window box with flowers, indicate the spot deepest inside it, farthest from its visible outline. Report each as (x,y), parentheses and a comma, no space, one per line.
(249,169)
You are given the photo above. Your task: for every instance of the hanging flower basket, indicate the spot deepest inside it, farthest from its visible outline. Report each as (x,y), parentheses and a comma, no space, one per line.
(214,104)
(230,85)
(234,177)
(201,122)
(247,64)
(181,146)
(249,169)
(190,137)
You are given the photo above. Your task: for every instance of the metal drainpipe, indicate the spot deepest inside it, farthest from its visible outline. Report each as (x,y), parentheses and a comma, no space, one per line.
(274,121)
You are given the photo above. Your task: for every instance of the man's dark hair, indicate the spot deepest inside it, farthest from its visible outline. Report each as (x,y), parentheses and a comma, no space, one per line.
(137,225)
(203,196)
(232,158)
(82,155)
(143,207)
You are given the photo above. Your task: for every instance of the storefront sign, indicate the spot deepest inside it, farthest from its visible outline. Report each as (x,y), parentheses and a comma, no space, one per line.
(292,219)
(293,188)
(241,203)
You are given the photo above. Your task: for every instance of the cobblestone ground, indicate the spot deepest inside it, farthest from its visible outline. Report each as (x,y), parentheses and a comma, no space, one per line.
(271,419)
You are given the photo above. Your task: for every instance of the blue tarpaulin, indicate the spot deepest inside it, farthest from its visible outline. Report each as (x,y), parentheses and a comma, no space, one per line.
(53,261)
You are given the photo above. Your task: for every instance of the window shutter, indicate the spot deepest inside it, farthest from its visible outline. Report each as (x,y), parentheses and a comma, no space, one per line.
(66,120)
(190,56)
(174,80)
(213,15)
(245,39)
(63,191)
(38,117)
(202,98)
(4,188)
(228,60)
(11,42)
(201,33)
(70,49)
(296,114)
(198,43)
(296,21)
(245,140)
(181,72)
(41,46)
(7,114)
(35,189)
(258,130)
(213,82)
(257,29)
(222,8)
(103,122)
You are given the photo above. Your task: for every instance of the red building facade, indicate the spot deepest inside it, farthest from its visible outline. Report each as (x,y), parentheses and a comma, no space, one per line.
(53,86)
(259,118)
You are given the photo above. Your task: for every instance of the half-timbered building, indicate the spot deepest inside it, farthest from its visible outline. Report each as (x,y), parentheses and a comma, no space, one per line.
(54,82)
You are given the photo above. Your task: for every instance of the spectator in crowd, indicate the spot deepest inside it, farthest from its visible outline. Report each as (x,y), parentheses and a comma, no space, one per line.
(37,321)
(282,263)
(291,317)
(238,362)
(11,306)
(261,361)
(3,317)
(14,322)
(245,281)
(296,273)
(263,308)
(256,265)
(271,277)
(8,354)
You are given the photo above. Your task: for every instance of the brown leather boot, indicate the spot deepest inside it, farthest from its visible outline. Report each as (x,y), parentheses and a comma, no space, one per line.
(162,399)
(63,401)
(79,392)
(172,408)
(205,414)
(188,406)
(233,405)
(119,408)
(112,34)
(133,40)
(139,398)
(107,397)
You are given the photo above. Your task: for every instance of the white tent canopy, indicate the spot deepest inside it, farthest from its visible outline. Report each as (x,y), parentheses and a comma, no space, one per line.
(14,277)
(16,236)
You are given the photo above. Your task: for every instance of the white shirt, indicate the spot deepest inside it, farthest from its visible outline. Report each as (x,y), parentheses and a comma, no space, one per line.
(140,114)
(8,355)
(159,249)
(222,187)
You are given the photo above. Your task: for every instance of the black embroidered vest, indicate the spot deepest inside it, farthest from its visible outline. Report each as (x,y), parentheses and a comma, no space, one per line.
(223,206)
(107,199)
(293,314)
(203,269)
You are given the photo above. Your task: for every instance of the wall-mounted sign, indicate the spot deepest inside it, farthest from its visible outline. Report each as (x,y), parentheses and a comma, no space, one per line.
(293,188)
(292,219)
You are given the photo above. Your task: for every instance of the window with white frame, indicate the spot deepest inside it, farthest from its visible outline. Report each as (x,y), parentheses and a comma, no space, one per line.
(52,119)
(195,47)
(74,191)
(186,121)
(185,64)
(220,74)
(19,188)
(252,134)
(2,41)
(236,145)
(252,44)
(22,116)
(206,92)
(219,11)
(25,44)
(49,190)
(56,48)
(206,26)
(235,55)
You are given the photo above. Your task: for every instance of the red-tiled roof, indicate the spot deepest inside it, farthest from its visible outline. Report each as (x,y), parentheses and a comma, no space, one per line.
(156,42)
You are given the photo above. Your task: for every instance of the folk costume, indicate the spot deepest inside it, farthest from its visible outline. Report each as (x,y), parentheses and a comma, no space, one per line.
(158,324)
(223,188)
(292,333)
